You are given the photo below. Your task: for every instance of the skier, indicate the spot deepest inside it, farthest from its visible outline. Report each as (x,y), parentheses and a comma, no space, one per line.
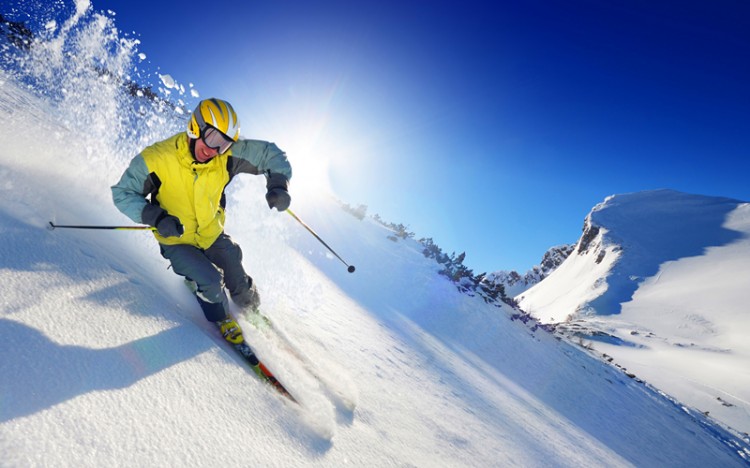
(177,186)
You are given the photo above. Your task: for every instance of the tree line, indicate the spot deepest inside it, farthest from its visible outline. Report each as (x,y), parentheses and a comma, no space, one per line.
(453,268)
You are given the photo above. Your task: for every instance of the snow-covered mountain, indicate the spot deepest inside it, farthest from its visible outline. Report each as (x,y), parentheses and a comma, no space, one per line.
(515,283)
(106,359)
(659,281)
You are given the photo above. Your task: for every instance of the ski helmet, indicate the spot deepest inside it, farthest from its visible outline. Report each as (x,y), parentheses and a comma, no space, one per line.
(216,113)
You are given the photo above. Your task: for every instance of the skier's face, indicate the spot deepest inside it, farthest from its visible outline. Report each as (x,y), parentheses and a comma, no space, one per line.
(211,143)
(204,153)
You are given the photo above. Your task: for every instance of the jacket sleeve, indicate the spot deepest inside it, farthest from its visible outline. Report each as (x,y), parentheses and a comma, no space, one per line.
(261,157)
(129,194)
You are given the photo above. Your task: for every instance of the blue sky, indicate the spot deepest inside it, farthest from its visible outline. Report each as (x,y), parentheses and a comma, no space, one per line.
(492,127)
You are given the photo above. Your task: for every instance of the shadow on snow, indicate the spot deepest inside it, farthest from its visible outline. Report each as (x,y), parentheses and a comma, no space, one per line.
(39,373)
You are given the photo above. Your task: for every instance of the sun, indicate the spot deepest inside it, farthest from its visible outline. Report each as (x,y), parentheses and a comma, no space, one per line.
(313,127)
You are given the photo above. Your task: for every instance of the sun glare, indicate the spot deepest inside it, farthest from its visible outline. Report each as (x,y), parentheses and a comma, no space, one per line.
(309,158)
(315,129)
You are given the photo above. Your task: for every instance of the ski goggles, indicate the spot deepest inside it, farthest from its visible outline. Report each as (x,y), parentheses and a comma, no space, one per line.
(216,140)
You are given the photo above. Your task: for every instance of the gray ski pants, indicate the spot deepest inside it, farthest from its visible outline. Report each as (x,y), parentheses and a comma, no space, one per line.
(212,269)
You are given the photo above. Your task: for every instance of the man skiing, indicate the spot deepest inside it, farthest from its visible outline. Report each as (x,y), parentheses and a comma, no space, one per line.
(177,186)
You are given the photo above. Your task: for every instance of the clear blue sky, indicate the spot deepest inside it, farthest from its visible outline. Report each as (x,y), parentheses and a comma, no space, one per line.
(492,127)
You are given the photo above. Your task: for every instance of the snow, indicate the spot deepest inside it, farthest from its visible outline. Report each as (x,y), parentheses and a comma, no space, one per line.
(106,359)
(168,81)
(570,286)
(674,296)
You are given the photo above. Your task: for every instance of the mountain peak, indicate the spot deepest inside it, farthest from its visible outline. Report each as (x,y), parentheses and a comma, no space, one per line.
(660,270)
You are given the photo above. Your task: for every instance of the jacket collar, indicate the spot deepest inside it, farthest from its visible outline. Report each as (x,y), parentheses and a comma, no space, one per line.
(186,158)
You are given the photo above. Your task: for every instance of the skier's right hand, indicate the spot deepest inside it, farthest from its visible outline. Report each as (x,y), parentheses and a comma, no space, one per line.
(170,226)
(166,224)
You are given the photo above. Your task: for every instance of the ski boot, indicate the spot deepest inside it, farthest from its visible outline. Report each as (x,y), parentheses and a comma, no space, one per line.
(231,331)
(248,299)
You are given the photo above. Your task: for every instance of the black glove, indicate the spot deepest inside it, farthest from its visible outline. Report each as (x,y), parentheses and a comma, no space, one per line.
(166,224)
(278,198)
(170,226)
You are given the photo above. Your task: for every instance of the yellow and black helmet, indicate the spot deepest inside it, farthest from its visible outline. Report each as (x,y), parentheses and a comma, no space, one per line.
(216,113)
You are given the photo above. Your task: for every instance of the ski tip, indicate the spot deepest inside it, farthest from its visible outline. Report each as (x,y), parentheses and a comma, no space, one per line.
(273,382)
(51,226)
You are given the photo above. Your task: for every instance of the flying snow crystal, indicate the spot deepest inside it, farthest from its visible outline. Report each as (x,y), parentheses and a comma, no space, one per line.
(51,26)
(168,81)
(82,7)
(142,56)
(193,91)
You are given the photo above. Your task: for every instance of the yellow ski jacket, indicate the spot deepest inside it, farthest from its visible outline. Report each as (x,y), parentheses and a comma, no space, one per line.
(167,175)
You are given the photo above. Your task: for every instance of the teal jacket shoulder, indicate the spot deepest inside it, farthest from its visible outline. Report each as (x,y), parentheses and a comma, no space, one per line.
(261,157)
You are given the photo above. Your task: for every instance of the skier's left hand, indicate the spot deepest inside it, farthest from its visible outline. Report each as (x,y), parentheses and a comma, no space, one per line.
(278,198)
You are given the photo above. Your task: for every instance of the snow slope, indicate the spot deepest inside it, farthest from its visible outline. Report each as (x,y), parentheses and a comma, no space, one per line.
(668,300)
(106,359)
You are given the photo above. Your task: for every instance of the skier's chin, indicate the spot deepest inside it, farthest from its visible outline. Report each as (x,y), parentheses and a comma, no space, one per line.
(202,157)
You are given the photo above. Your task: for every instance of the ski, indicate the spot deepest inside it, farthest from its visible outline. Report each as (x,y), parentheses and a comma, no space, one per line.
(264,325)
(261,370)
(251,358)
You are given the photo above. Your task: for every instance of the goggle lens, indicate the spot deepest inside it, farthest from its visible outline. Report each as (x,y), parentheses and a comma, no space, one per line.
(216,140)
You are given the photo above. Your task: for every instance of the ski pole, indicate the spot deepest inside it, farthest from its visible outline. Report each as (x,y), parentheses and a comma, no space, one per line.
(53,226)
(350,268)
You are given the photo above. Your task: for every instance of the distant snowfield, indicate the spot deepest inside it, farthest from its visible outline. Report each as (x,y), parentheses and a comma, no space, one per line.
(684,322)
(106,359)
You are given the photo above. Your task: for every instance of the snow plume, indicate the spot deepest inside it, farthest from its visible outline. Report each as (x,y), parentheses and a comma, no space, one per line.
(85,68)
